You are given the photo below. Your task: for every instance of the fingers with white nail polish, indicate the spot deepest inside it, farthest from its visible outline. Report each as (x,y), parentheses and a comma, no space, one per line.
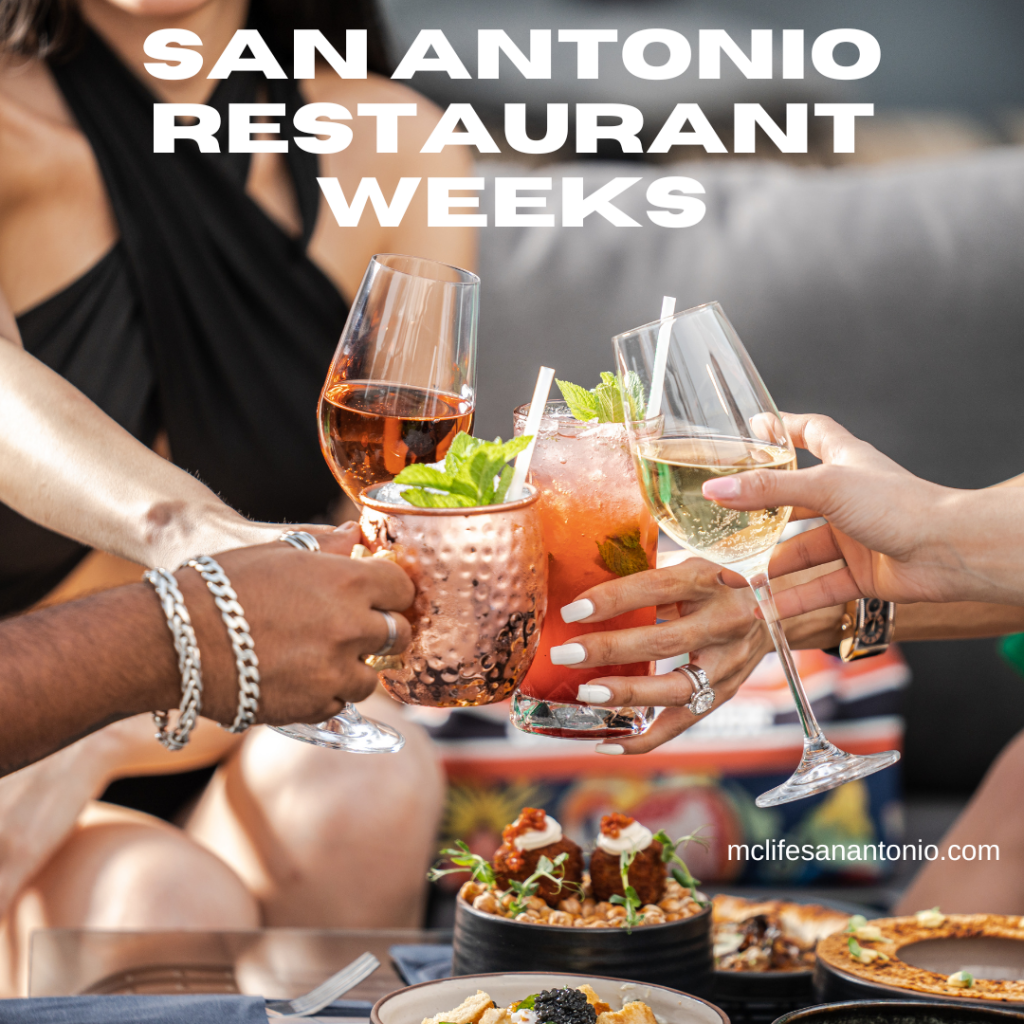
(609,748)
(577,611)
(593,693)
(568,654)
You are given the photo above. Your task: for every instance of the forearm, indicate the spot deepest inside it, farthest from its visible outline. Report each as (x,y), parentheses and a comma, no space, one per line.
(69,670)
(66,465)
(956,620)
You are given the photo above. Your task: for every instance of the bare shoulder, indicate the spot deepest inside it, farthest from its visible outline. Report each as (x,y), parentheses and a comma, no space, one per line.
(27,89)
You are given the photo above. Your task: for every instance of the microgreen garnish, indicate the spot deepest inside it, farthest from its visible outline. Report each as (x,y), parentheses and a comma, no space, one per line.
(525,1004)
(479,867)
(471,469)
(631,901)
(854,946)
(681,873)
(604,403)
(546,870)
(961,979)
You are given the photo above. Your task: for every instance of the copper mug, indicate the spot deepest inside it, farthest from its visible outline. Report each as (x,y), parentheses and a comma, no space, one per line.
(481,578)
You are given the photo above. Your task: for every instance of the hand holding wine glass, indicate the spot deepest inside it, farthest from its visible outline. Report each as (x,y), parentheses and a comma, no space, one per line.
(401,386)
(707,417)
(903,538)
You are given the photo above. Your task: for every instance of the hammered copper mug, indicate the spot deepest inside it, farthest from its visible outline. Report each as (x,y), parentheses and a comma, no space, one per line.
(481,578)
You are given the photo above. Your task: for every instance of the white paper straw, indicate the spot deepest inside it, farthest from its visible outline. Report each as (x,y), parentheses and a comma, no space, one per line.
(537,404)
(668,307)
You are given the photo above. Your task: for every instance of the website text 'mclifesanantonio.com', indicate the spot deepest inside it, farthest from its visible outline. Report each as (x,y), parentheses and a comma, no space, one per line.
(781,850)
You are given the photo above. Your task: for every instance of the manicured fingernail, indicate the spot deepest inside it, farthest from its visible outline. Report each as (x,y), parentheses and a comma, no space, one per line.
(578,610)
(594,693)
(568,654)
(609,748)
(722,487)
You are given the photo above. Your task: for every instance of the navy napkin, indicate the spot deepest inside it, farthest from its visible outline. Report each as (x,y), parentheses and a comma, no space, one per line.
(135,1010)
(422,963)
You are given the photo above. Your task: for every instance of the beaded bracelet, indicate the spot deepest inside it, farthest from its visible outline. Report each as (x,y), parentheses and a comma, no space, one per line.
(233,615)
(189,665)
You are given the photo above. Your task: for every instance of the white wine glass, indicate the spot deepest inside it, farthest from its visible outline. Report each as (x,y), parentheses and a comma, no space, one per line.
(706,413)
(401,385)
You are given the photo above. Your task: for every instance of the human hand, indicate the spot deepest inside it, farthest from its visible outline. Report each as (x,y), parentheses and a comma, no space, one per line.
(711,622)
(902,538)
(313,617)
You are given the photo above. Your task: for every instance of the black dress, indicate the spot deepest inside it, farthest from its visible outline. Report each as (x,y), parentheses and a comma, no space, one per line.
(205,319)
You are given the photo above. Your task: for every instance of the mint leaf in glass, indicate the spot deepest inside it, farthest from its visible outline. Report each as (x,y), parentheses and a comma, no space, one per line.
(624,555)
(475,473)
(605,402)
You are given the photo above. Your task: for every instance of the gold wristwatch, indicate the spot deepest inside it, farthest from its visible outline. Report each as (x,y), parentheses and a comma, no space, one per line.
(867,626)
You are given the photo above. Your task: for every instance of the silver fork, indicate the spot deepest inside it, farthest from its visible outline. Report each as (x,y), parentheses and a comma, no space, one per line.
(336,985)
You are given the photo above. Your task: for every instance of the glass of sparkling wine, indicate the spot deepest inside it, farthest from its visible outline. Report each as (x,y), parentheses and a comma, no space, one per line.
(708,414)
(401,385)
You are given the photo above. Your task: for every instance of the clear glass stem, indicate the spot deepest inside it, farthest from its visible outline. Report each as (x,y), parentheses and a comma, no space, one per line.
(759,583)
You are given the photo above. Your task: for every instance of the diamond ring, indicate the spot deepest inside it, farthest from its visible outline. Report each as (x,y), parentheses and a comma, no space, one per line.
(301,540)
(703,696)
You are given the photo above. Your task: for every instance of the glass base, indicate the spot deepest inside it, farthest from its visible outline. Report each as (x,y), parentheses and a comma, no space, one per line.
(823,767)
(577,721)
(347,730)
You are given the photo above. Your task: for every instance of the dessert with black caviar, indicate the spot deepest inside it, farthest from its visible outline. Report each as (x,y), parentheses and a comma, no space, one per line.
(535,834)
(624,835)
(555,1006)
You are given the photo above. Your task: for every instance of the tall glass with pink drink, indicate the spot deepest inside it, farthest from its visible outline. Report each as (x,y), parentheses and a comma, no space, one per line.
(596,528)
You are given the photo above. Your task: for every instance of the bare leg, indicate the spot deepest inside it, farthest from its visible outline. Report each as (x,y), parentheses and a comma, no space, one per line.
(993,816)
(324,838)
(122,869)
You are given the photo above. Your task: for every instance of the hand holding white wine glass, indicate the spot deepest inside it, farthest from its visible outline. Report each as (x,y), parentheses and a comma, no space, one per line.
(704,413)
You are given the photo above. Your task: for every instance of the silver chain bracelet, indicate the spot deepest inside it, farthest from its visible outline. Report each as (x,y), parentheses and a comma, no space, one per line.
(189,665)
(233,615)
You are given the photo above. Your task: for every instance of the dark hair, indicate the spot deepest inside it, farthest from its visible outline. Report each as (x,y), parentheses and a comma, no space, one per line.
(50,28)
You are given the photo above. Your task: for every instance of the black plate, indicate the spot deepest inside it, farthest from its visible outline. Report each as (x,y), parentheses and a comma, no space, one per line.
(677,954)
(759,997)
(888,1012)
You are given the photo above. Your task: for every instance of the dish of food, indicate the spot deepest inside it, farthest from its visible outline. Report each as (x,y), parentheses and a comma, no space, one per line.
(636,878)
(769,935)
(878,953)
(565,1005)
(611,1000)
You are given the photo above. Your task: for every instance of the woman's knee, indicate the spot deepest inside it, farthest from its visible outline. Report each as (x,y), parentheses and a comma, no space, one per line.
(123,872)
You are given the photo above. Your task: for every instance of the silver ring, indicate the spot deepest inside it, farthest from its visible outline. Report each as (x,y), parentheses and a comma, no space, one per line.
(703,695)
(392,636)
(301,540)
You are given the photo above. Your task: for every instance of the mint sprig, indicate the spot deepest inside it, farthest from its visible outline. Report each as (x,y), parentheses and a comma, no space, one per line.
(605,402)
(476,472)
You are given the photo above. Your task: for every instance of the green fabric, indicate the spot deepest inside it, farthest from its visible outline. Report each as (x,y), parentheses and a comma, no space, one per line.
(1012,650)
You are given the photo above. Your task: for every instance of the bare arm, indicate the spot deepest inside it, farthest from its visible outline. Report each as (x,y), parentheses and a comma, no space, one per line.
(67,465)
(312,616)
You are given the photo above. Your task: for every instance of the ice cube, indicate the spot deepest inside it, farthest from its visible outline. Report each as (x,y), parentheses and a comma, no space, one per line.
(391,494)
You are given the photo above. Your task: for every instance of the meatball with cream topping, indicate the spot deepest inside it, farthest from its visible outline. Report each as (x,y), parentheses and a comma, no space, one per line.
(535,834)
(621,834)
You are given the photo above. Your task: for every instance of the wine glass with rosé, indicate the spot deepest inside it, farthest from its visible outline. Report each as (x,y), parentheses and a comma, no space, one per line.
(596,528)
(402,382)
(401,385)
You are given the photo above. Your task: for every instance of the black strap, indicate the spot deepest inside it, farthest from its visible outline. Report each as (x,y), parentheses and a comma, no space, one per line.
(241,324)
